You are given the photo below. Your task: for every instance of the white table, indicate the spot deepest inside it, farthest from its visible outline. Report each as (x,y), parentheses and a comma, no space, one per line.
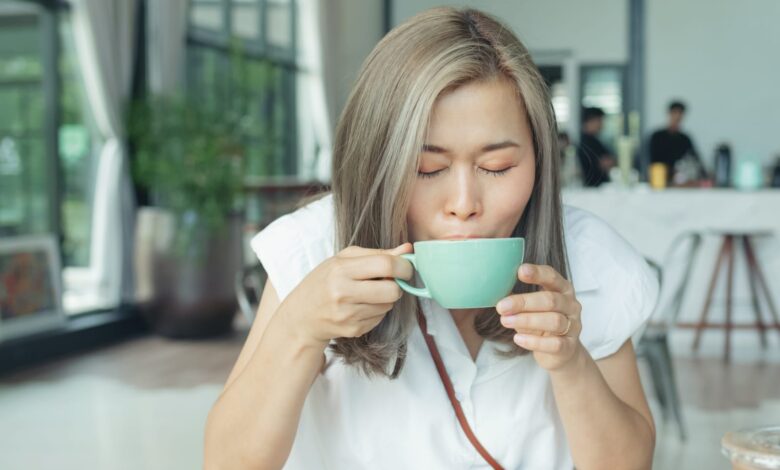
(650,220)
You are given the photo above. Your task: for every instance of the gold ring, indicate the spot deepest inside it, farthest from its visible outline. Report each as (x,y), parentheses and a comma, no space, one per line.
(568,327)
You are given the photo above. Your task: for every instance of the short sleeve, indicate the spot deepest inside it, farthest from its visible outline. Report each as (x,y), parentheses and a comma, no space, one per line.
(618,291)
(630,309)
(293,245)
(279,250)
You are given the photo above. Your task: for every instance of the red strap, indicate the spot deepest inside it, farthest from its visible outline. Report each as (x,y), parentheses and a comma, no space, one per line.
(445,379)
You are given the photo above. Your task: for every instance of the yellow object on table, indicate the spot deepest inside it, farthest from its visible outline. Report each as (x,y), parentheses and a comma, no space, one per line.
(753,449)
(658,175)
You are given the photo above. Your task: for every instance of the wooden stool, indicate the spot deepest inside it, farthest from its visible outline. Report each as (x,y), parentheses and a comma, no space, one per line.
(753,449)
(756,279)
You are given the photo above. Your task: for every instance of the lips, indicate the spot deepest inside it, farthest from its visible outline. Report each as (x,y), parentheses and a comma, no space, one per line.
(459,236)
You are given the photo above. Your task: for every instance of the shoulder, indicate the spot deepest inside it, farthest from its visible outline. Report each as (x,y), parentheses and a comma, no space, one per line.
(294,244)
(658,134)
(587,139)
(590,144)
(612,281)
(587,234)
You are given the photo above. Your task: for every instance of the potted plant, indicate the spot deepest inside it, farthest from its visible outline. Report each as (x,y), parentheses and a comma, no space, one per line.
(190,159)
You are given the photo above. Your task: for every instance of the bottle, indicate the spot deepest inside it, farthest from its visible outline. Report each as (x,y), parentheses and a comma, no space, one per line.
(775,183)
(723,166)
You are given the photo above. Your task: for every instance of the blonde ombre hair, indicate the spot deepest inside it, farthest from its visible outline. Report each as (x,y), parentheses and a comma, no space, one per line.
(379,139)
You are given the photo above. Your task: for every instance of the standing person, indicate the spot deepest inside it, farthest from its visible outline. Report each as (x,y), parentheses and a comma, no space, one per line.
(595,158)
(449,133)
(670,144)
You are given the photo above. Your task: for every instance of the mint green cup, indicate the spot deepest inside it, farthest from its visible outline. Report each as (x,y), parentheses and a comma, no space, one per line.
(472,273)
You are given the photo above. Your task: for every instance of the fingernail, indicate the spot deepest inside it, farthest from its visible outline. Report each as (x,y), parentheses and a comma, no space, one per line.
(527,269)
(504,305)
(508,321)
(521,339)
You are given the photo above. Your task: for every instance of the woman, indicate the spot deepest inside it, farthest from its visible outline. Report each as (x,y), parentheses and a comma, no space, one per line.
(448,133)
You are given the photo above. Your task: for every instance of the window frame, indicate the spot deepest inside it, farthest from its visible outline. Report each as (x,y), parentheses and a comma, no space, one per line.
(253,49)
(584,68)
(47,17)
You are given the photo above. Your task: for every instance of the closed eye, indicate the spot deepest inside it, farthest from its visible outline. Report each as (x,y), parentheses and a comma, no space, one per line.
(429,174)
(496,173)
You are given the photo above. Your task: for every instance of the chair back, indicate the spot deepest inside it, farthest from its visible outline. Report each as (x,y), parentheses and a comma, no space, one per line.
(248,285)
(685,248)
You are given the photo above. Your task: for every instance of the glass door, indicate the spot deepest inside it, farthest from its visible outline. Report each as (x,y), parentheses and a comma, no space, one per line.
(27,177)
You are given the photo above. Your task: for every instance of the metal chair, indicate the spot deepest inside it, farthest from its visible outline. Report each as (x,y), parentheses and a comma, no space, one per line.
(248,285)
(653,341)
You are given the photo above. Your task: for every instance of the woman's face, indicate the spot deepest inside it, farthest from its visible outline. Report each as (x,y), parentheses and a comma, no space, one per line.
(477,167)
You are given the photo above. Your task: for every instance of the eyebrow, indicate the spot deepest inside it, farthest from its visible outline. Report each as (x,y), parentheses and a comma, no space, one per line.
(487,148)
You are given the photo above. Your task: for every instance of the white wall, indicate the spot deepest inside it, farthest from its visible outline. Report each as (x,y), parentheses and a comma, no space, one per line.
(570,33)
(593,31)
(722,57)
(353,27)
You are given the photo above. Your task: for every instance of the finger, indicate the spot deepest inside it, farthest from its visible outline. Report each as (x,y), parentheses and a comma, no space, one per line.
(378,266)
(374,292)
(541,301)
(545,344)
(544,276)
(365,325)
(549,322)
(374,313)
(355,251)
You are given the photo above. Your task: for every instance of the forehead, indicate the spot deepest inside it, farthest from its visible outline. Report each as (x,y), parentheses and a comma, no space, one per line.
(479,108)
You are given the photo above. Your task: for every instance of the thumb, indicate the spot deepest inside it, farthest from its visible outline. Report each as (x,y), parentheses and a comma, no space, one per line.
(401,249)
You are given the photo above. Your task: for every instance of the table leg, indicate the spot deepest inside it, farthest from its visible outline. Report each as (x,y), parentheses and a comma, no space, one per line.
(751,263)
(729,286)
(708,300)
(762,282)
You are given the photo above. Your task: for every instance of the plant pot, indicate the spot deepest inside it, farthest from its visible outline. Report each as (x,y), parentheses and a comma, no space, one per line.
(184,281)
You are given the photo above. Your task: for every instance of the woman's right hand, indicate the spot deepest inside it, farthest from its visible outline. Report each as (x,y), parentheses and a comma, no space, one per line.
(348,294)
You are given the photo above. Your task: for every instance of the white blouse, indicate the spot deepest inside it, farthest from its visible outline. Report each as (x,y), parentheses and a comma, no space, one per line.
(351,422)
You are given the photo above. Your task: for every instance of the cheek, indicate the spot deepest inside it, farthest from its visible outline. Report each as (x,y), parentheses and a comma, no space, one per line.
(420,208)
(509,200)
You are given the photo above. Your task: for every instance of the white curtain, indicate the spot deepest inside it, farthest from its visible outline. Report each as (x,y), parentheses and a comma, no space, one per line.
(166,28)
(104,40)
(314,127)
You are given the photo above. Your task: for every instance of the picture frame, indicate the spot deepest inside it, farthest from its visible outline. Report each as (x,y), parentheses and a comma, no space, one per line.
(30,286)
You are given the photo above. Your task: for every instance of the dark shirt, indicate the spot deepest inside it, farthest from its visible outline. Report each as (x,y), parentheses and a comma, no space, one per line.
(669,147)
(589,153)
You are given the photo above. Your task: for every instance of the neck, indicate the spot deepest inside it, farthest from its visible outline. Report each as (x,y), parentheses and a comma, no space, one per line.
(464,318)
(464,321)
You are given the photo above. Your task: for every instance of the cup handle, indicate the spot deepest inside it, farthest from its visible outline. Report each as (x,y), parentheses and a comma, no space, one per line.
(419,292)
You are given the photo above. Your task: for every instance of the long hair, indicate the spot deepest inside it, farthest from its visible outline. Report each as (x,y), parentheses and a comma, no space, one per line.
(378,142)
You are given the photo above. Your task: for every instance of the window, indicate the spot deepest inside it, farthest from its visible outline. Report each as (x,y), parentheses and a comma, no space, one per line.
(77,165)
(26,205)
(242,53)
(553,77)
(603,86)
(46,144)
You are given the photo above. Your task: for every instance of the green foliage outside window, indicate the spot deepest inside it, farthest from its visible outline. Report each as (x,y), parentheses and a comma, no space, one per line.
(191,154)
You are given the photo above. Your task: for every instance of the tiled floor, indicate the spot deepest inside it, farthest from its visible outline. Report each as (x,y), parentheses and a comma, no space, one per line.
(142,404)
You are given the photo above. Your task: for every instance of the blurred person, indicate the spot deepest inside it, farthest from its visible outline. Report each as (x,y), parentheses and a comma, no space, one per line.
(670,144)
(563,143)
(448,133)
(595,158)
(569,169)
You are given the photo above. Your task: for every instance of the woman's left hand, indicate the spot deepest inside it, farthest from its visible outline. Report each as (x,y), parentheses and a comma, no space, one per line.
(547,322)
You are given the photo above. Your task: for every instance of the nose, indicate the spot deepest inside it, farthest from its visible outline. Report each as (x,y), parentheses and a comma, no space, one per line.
(464,200)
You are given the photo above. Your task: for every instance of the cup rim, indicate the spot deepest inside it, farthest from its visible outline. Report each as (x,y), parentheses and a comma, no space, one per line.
(471,241)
